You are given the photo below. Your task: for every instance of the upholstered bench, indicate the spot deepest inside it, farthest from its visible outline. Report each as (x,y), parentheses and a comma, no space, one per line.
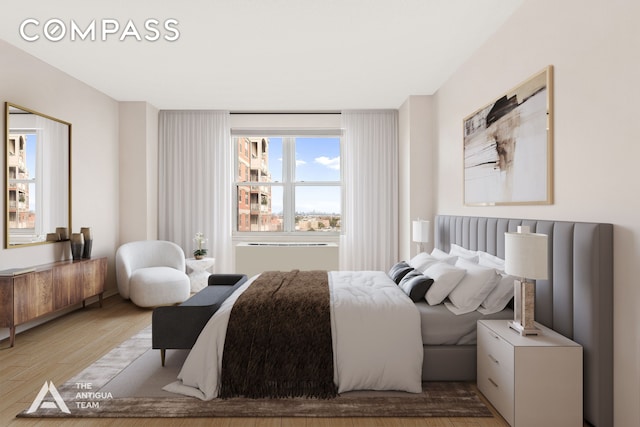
(178,326)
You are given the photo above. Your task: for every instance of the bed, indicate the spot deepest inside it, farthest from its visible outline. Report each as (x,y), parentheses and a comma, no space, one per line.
(370,319)
(576,301)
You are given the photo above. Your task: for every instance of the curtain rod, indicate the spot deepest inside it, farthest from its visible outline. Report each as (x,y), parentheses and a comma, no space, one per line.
(285,112)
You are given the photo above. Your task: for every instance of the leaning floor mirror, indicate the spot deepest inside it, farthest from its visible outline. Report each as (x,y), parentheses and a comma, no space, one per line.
(38,176)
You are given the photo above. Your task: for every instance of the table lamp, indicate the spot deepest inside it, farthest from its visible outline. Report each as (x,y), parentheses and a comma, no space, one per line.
(525,256)
(421,232)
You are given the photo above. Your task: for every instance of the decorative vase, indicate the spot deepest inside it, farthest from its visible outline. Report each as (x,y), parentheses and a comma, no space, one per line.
(88,241)
(63,233)
(198,256)
(77,245)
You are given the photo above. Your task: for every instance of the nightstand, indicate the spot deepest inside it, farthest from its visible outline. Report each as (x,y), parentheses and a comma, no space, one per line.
(532,380)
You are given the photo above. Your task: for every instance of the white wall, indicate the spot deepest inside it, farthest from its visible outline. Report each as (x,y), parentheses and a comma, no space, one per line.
(294,121)
(416,140)
(152,171)
(138,170)
(594,47)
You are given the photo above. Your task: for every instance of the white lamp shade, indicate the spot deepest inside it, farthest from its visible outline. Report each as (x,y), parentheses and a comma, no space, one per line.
(421,231)
(525,255)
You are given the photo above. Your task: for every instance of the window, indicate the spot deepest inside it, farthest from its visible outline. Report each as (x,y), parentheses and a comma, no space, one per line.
(288,184)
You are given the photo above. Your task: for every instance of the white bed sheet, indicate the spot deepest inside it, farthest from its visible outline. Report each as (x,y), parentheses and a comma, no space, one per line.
(376,339)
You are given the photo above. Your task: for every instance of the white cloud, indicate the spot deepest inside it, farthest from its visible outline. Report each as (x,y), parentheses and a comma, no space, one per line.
(331,163)
(300,162)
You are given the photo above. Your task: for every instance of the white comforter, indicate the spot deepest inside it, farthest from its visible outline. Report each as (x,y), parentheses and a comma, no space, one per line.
(377,343)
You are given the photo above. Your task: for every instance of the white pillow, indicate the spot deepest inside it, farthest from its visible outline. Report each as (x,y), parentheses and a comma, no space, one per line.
(421,261)
(472,290)
(443,256)
(445,278)
(489,260)
(499,297)
(459,251)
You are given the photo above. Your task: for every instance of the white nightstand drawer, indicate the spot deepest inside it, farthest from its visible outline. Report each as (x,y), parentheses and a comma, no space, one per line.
(493,349)
(498,374)
(497,386)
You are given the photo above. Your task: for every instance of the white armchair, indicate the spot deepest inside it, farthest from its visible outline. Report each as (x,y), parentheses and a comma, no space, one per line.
(152,273)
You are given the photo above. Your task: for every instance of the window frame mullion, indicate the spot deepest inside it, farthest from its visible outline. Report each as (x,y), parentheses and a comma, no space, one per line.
(288,178)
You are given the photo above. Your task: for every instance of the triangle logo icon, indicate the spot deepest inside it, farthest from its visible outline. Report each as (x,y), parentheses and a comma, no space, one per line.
(39,402)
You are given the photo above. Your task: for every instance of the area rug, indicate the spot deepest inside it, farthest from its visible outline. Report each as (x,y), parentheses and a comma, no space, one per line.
(127,383)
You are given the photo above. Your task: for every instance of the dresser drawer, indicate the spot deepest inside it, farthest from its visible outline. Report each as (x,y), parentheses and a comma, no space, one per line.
(494,350)
(498,386)
(495,372)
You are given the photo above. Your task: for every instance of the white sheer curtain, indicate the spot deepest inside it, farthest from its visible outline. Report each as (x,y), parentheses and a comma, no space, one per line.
(195,176)
(370,197)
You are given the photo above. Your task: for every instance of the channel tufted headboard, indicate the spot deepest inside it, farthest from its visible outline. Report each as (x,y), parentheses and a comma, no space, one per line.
(577,300)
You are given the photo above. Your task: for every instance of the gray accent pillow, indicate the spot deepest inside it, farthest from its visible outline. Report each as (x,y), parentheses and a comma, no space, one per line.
(399,270)
(416,285)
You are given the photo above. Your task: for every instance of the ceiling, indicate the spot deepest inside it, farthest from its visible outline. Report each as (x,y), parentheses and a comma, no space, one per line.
(260,55)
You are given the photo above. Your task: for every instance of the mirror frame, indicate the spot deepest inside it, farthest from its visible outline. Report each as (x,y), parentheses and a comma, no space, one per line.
(8,107)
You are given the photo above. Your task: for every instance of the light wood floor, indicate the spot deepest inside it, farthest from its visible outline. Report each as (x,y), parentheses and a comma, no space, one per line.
(59,349)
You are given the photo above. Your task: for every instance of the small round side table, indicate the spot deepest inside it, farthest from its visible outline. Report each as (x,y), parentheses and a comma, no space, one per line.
(198,271)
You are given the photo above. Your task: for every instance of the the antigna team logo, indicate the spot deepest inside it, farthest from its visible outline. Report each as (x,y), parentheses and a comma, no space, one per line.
(40,402)
(85,398)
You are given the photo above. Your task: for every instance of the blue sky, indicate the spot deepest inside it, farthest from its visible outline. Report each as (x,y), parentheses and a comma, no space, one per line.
(31,154)
(317,159)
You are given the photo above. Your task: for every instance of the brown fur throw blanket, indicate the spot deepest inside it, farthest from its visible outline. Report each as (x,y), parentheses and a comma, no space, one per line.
(278,341)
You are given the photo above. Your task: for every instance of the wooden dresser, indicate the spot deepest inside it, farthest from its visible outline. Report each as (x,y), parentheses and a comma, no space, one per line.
(49,288)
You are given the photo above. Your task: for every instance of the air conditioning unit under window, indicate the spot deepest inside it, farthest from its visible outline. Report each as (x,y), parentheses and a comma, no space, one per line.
(255,257)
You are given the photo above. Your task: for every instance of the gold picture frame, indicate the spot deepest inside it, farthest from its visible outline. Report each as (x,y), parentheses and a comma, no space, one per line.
(508,147)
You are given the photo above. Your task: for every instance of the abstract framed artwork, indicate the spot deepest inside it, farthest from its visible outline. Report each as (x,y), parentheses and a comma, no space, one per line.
(508,147)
